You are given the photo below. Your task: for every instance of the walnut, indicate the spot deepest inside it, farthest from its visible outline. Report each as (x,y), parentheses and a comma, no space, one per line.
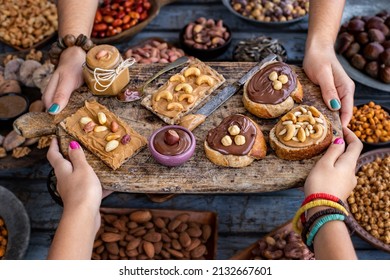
(20,152)
(3,152)
(34,55)
(44,141)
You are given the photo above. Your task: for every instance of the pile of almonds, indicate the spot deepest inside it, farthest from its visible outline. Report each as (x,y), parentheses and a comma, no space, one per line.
(115,16)
(113,138)
(284,245)
(206,34)
(141,235)
(365,42)
(3,238)
(154,51)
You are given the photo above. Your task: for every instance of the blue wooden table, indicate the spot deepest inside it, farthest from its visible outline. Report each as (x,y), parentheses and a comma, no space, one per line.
(242,218)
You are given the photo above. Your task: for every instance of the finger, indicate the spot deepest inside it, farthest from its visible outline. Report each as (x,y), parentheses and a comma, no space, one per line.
(62,94)
(346,110)
(353,150)
(333,153)
(346,89)
(54,156)
(76,155)
(328,90)
(50,90)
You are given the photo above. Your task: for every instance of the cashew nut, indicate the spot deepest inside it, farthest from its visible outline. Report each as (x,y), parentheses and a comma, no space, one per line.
(318,130)
(290,132)
(184,86)
(289,116)
(177,78)
(165,95)
(204,79)
(191,71)
(301,135)
(314,111)
(190,98)
(308,118)
(175,106)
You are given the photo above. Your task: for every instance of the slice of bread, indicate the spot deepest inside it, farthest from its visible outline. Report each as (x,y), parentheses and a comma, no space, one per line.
(289,152)
(257,151)
(269,111)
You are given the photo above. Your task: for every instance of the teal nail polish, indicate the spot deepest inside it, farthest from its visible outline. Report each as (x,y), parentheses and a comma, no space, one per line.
(54,108)
(335,104)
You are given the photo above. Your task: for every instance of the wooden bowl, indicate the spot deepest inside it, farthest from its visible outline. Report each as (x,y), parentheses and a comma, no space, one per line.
(131,32)
(359,230)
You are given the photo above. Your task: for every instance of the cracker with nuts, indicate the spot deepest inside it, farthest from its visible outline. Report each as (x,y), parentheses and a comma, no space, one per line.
(104,134)
(183,91)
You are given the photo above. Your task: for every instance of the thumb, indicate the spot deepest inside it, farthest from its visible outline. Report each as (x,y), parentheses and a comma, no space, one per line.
(335,150)
(76,155)
(329,92)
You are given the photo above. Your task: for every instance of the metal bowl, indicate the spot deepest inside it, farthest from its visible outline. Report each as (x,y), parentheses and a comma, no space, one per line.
(17,223)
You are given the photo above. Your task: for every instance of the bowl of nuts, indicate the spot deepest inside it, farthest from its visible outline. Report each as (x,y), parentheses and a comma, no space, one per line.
(205,38)
(267,12)
(371,123)
(369,201)
(14,226)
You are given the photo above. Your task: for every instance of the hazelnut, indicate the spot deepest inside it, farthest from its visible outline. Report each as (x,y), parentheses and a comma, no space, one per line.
(384,74)
(171,137)
(384,57)
(273,76)
(234,130)
(239,140)
(277,85)
(372,51)
(371,69)
(356,25)
(362,38)
(375,35)
(358,61)
(344,40)
(353,49)
(283,79)
(226,140)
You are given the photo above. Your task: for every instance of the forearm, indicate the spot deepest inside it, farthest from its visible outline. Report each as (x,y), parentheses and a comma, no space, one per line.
(75,234)
(76,16)
(332,242)
(324,22)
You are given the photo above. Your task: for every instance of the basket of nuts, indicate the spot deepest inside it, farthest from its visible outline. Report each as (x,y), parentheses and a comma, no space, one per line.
(371,123)
(280,244)
(369,202)
(144,234)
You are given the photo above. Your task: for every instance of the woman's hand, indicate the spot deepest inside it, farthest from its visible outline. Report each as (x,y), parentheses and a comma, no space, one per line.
(323,68)
(77,183)
(66,78)
(334,173)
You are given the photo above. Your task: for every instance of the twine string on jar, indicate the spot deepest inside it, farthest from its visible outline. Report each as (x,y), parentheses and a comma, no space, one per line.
(102,76)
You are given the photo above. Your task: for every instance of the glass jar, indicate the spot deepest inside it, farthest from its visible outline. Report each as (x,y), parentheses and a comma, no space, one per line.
(105,72)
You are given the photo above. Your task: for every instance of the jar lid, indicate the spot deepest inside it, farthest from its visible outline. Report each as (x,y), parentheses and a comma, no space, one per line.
(103,56)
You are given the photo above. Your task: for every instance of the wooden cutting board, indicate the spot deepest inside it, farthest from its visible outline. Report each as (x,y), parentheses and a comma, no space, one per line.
(142,174)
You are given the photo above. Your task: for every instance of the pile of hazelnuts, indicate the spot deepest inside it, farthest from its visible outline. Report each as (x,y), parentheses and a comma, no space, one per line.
(365,42)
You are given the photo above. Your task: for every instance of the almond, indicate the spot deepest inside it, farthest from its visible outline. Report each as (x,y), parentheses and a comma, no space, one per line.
(149,249)
(152,237)
(110,237)
(182,227)
(159,223)
(157,247)
(165,254)
(198,251)
(206,232)
(195,242)
(97,243)
(174,224)
(176,245)
(183,217)
(112,248)
(141,216)
(185,239)
(132,253)
(109,218)
(175,253)
(194,232)
(133,244)
(120,224)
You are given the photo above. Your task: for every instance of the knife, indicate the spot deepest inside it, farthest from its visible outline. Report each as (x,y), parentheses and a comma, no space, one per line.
(192,121)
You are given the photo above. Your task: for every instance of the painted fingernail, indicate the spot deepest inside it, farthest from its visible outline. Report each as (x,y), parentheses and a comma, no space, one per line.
(335,104)
(338,141)
(54,108)
(74,145)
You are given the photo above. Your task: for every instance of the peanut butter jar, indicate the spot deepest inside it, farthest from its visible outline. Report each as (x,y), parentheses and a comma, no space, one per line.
(105,72)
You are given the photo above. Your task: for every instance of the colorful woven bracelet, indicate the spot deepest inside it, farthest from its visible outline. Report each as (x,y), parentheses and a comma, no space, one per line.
(307,225)
(68,41)
(312,204)
(315,196)
(319,224)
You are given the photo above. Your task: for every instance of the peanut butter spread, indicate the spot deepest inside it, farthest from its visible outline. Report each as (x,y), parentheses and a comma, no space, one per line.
(185,90)
(96,141)
(172,149)
(224,137)
(261,87)
(301,127)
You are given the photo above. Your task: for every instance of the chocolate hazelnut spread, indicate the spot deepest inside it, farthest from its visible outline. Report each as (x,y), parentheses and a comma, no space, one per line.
(180,147)
(247,129)
(261,90)
(11,106)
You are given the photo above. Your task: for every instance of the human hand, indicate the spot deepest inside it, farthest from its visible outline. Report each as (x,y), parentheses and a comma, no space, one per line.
(334,173)
(77,183)
(323,68)
(66,78)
